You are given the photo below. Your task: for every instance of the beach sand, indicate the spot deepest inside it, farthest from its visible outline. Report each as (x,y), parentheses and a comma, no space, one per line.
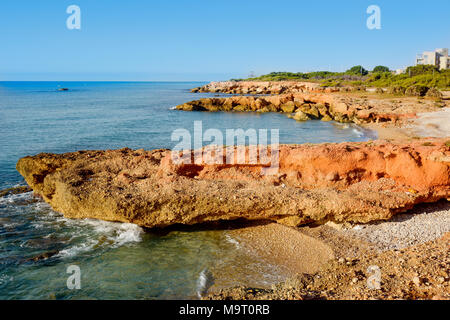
(338,252)
(294,251)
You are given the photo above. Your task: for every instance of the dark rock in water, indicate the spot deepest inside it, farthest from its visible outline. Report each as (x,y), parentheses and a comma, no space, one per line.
(15,190)
(63,89)
(43,256)
(47,243)
(10,261)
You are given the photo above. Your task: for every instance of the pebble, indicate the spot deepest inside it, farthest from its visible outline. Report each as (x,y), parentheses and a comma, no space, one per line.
(422,224)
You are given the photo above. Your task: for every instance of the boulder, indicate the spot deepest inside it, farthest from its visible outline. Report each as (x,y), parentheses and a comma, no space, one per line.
(347,182)
(288,107)
(416,90)
(300,116)
(434,93)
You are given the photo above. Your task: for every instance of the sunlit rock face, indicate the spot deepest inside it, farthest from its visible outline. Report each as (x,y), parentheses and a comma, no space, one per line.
(354,182)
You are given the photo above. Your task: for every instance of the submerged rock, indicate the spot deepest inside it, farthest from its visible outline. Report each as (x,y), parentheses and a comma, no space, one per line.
(14,190)
(355,182)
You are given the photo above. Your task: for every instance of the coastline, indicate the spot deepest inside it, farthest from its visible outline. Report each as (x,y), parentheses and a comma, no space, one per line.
(342,246)
(300,244)
(427,124)
(350,252)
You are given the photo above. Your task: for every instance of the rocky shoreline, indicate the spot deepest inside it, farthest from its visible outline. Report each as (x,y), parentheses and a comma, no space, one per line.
(355,182)
(317,106)
(259,87)
(416,272)
(315,186)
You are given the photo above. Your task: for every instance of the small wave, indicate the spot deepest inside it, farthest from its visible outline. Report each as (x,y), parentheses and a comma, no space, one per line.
(37,225)
(4,279)
(75,250)
(358,132)
(232,240)
(113,234)
(120,233)
(9,225)
(204,282)
(12,198)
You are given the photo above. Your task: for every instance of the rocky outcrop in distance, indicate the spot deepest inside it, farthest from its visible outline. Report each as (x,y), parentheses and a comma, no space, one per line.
(259,87)
(326,107)
(347,182)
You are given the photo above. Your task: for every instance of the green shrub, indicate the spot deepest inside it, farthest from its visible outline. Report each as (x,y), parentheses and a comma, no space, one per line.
(357,70)
(380,69)
(397,90)
(420,75)
(416,90)
(434,93)
(421,69)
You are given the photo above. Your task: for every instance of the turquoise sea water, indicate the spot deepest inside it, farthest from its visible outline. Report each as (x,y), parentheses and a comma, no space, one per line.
(118,261)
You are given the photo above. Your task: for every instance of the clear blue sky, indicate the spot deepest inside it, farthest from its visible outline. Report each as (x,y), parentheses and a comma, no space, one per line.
(211,39)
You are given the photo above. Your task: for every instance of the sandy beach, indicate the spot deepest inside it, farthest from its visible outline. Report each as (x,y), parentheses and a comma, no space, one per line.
(330,261)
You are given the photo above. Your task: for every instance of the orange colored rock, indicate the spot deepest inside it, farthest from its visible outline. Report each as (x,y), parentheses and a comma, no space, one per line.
(259,87)
(335,106)
(356,182)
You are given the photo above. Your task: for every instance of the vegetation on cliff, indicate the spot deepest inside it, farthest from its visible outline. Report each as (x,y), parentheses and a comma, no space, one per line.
(380,76)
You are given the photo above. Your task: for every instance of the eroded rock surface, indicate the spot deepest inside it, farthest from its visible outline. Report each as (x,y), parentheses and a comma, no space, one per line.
(356,182)
(259,87)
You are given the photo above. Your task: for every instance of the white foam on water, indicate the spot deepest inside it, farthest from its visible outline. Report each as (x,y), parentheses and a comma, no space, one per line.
(4,279)
(204,282)
(358,132)
(37,225)
(120,233)
(76,250)
(9,225)
(232,240)
(115,234)
(11,198)
(83,235)
(41,205)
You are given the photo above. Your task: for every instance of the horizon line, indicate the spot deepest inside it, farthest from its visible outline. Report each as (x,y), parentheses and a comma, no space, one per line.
(106,80)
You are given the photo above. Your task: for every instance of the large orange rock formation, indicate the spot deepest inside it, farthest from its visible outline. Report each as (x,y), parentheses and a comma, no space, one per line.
(355,182)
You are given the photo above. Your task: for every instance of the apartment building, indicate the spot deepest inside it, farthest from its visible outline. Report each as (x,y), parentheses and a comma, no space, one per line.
(438,58)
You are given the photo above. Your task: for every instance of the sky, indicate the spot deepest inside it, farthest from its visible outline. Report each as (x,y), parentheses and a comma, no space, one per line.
(211,40)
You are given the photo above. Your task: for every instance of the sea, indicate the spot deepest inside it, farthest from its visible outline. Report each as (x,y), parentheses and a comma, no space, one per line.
(40,248)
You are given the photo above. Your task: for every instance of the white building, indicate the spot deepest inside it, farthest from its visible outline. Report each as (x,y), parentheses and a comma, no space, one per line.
(438,58)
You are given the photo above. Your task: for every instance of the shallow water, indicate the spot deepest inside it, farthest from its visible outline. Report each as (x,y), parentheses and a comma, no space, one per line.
(118,260)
